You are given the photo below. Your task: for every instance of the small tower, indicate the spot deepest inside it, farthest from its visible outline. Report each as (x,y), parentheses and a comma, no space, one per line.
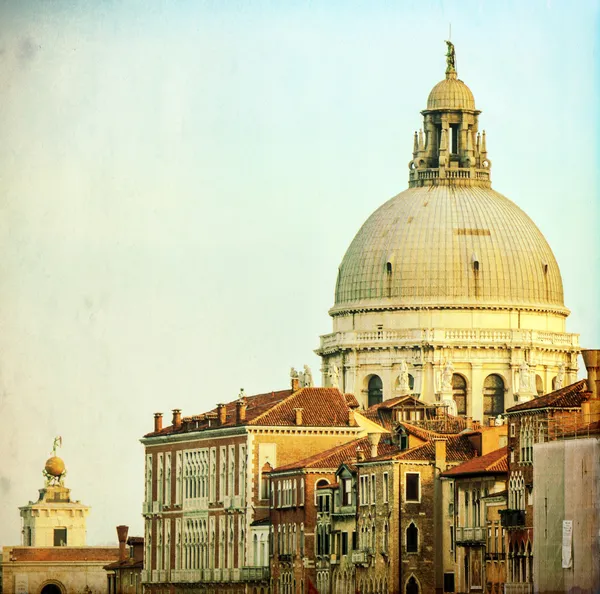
(54,519)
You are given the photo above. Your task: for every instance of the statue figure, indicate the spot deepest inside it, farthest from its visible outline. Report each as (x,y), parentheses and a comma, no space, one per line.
(450,58)
(308,378)
(498,421)
(334,374)
(301,379)
(403,384)
(524,379)
(560,378)
(293,373)
(447,377)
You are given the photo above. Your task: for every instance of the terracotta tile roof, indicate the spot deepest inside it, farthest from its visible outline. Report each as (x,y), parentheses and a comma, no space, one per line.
(568,397)
(352,401)
(338,455)
(322,407)
(65,554)
(495,462)
(383,412)
(458,449)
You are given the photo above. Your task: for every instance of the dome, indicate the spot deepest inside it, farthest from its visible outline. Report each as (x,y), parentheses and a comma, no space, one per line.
(451,93)
(55,466)
(449,246)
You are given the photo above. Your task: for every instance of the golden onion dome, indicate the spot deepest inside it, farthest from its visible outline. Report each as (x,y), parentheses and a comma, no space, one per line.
(55,466)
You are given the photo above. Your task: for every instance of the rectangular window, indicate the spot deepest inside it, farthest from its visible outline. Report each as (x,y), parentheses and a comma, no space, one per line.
(347,494)
(354,541)
(452,538)
(386,487)
(512,430)
(448,582)
(373,489)
(344,543)
(413,487)
(60,537)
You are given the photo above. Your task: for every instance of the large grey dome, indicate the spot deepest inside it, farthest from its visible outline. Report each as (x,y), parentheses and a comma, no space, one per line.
(449,246)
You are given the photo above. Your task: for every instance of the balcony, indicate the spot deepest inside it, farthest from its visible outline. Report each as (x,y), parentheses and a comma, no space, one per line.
(361,557)
(286,557)
(467,536)
(518,588)
(512,518)
(218,575)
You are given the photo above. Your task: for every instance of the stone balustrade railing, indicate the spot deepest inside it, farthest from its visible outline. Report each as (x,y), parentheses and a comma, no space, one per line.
(448,337)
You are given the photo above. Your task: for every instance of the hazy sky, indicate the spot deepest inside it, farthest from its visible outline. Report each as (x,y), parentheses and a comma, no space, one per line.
(178,185)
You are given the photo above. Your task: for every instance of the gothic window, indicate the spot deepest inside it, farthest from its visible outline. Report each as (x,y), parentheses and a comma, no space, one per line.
(168,480)
(375,390)
(159,489)
(493,395)
(412,539)
(459,393)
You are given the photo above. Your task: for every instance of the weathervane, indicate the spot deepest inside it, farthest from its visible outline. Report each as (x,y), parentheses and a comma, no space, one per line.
(54,471)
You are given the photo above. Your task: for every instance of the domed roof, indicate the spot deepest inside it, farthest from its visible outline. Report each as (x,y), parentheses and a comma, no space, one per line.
(449,246)
(451,93)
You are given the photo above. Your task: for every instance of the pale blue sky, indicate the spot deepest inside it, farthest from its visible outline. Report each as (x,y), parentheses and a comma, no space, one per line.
(179,184)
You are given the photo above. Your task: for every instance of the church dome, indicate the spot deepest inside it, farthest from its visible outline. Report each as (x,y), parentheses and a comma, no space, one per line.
(451,93)
(449,246)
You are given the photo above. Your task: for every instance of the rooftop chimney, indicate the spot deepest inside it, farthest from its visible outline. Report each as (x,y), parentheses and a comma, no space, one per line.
(222,412)
(591,358)
(469,422)
(122,535)
(157,421)
(295,384)
(298,412)
(360,455)
(440,452)
(176,418)
(351,419)
(240,411)
(374,442)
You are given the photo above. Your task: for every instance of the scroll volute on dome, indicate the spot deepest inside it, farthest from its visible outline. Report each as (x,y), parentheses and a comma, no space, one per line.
(450,150)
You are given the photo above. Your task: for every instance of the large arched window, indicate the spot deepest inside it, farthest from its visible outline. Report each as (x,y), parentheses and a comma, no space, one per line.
(375,390)
(459,392)
(493,395)
(539,385)
(412,539)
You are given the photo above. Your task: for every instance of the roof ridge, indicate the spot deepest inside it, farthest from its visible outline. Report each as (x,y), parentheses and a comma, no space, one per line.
(275,406)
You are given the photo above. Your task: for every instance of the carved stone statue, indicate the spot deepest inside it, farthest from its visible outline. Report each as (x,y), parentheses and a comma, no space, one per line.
(308,378)
(447,377)
(334,374)
(560,378)
(403,384)
(524,377)
(293,373)
(450,58)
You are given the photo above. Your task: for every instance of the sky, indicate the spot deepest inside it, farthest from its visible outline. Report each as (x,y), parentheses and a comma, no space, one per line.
(179,182)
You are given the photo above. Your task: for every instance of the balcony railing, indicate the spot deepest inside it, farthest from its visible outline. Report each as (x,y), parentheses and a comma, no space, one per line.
(220,575)
(470,535)
(361,557)
(512,518)
(518,588)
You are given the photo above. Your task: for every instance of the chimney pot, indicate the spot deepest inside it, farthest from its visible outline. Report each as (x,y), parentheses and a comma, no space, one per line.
(440,453)
(222,412)
(295,384)
(591,358)
(351,418)
(158,421)
(298,412)
(240,410)
(176,418)
(122,535)
(374,439)
(469,422)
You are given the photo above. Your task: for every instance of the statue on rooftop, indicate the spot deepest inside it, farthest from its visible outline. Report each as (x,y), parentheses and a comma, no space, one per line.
(403,383)
(450,58)
(447,377)
(308,378)
(334,374)
(560,378)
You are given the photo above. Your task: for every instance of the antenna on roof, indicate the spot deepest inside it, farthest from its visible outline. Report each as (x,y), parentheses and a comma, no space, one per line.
(449,31)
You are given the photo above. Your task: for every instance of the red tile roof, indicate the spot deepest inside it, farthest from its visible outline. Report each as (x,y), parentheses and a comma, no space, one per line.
(321,407)
(338,455)
(568,397)
(65,554)
(458,449)
(495,462)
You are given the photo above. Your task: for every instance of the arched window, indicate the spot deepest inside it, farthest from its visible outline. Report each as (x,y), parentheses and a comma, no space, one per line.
(412,586)
(320,483)
(539,385)
(375,390)
(403,438)
(493,395)
(412,539)
(459,393)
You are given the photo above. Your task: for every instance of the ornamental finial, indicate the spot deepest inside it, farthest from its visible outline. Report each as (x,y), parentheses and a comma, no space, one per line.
(450,59)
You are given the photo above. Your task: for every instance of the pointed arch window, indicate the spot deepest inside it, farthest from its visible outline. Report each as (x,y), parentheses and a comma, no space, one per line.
(412,538)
